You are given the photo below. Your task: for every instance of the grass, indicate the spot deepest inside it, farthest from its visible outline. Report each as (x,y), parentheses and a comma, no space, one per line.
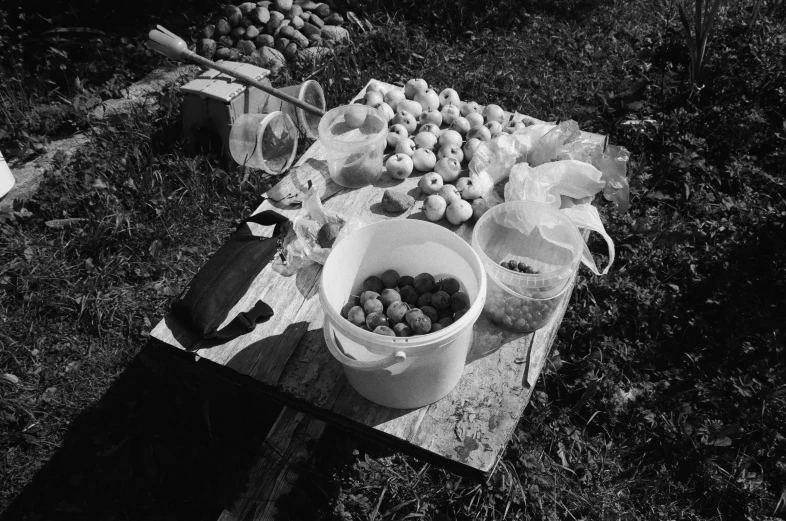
(664,393)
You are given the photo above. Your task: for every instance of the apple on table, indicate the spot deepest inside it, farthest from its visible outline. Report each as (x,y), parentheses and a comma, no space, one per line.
(450,137)
(469,190)
(406,119)
(434,207)
(399,166)
(432,128)
(406,146)
(449,193)
(393,97)
(428,99)
(448,168)
(450,150)
(450,113)
(424,159)
(449,97)
(396,133)
(426,140)
(413,86)
(458,212)
(431,183)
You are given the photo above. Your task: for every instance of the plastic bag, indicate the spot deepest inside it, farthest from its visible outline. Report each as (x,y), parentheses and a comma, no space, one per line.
(548,182)
(587,216)
(493,159)
(568,185)
(301,247)
(612,163)
(548,147)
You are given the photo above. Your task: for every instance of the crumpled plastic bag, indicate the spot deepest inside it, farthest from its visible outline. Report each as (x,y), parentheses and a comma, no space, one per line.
(549,145)
(568,185)
(548,182)
(300,247)
(493,160)
(612,162)
(587,216)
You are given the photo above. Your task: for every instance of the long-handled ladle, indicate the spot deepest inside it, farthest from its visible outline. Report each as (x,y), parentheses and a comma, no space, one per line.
(172,46)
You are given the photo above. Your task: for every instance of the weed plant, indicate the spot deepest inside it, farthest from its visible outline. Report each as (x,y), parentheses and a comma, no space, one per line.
(664,393)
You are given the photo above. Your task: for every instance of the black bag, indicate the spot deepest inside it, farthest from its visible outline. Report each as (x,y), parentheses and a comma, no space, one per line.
(225,278)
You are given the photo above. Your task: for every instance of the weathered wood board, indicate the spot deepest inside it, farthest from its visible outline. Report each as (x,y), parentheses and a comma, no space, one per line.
(466,431)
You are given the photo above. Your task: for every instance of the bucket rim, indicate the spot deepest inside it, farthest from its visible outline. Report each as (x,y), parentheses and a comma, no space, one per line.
(333,144)
(418,343)
(525,279)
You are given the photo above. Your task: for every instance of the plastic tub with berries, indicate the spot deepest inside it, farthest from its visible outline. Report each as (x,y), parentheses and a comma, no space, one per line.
(530,253)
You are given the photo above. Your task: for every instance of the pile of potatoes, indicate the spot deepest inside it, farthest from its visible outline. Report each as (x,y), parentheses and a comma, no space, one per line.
(270,33)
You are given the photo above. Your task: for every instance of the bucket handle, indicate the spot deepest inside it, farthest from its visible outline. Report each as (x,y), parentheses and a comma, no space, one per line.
(383,363)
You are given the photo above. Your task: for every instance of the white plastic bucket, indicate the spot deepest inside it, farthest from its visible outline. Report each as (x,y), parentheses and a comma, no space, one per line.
(400,372)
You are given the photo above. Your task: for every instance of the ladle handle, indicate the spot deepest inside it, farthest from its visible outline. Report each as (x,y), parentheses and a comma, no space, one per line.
(251,81)
(174,47)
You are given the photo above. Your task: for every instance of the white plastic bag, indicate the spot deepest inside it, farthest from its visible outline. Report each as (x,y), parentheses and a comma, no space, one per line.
(493,160)
(587,216)
(611,161)
(301,247)
(547,182)
(548,146)
(568,185)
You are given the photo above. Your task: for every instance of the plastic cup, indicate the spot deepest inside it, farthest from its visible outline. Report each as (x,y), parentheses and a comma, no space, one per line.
(264,141)
(541,238)
(309,91)
(354,139)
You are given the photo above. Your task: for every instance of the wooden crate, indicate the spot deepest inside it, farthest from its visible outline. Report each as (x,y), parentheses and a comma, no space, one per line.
(212,103)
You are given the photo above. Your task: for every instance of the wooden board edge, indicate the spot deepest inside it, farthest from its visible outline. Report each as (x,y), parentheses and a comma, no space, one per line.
(345,424)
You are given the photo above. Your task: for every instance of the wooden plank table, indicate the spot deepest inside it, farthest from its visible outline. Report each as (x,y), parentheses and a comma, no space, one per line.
(465,432)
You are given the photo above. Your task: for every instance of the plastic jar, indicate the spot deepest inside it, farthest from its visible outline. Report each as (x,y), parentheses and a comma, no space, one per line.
(354,139)
(542,239)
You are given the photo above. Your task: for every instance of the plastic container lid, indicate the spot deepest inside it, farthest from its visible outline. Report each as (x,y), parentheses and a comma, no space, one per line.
(264,141)
(311,93)
(352,128)
(533,233)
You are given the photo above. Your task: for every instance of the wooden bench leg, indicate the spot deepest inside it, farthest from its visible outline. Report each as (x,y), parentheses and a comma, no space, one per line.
(274,474)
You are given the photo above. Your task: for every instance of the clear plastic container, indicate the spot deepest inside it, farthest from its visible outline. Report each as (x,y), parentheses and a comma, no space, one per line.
(537,238)
(354,138)
(264,141)
(309,91)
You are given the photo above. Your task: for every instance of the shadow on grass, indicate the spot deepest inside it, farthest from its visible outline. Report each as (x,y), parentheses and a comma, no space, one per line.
(731,326)
(162,443)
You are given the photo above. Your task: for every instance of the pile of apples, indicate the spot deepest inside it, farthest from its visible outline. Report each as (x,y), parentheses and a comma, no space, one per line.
(437,134)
